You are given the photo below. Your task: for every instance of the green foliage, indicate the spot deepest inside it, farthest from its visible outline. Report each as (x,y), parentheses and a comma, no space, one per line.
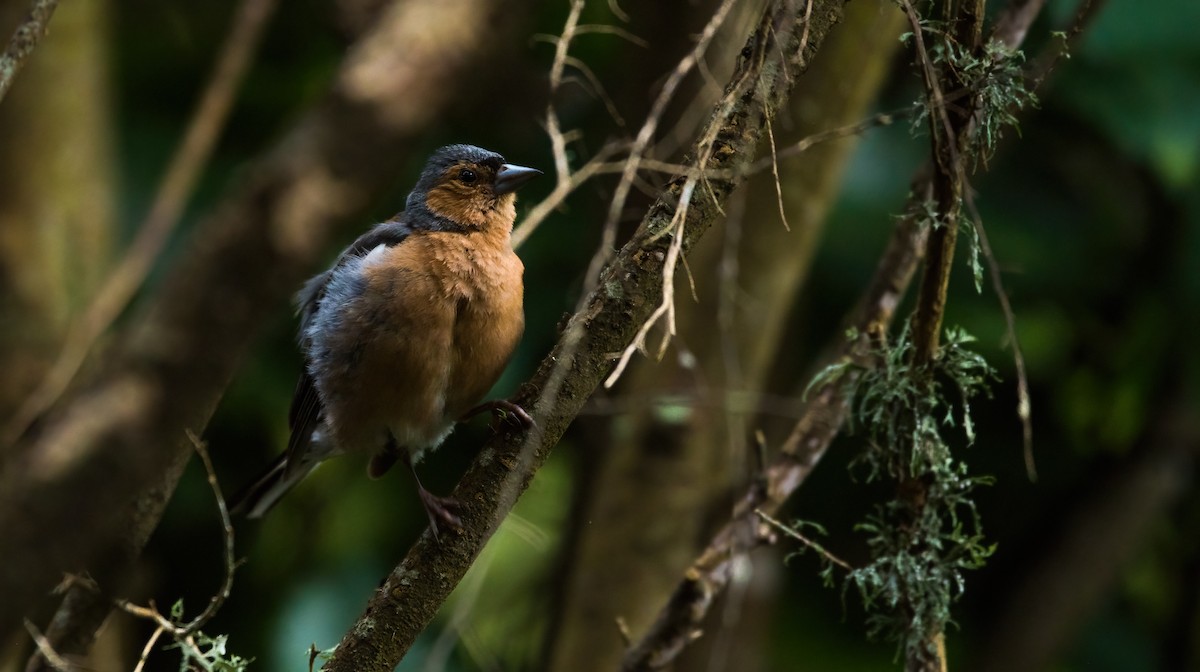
(995,80)
(998,81)
(920,544)
(208,653)
(973,253)
(199,651)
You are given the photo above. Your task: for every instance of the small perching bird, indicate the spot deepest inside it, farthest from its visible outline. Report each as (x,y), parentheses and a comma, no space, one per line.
(409,329)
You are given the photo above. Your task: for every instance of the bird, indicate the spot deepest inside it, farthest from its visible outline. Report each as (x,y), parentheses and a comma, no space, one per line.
(408,330)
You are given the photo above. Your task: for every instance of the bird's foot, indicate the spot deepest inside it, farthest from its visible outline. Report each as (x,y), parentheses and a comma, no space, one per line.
(503,410)
(441,511)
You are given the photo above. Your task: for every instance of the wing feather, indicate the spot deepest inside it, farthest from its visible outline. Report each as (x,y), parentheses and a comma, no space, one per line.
(307,411)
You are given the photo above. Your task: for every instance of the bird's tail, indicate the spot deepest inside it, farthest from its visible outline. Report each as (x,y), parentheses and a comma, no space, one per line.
(275,482)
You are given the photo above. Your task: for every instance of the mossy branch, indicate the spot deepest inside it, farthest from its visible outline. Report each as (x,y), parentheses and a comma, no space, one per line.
(827,406)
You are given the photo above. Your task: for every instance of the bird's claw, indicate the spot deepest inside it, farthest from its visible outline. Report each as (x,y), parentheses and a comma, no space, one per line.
(503,410)
(441,511)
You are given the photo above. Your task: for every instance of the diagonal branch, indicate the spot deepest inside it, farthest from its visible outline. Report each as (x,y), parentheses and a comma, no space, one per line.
(710,574)
(823,415)
(177,185)
(630,288)
(24,39)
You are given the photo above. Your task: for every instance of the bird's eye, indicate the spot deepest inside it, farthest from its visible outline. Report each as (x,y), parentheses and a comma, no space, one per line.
(467,176)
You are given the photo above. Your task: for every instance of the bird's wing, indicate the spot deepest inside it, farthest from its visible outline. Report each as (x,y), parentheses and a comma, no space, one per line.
(308,299)
(306,410)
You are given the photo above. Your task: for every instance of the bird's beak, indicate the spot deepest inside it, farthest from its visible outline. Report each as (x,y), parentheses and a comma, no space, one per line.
(511,177)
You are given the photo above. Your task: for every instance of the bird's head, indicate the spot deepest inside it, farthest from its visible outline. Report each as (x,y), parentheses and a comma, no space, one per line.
(468,187)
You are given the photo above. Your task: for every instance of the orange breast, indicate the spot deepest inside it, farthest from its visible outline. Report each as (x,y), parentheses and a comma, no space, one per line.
(435,325)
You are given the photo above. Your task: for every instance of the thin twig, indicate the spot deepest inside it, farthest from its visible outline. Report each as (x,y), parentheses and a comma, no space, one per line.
(642,142)
(617,11)
(148,648)
(24,39)
(667,307)
(230,560)
(566,181)
(47,649)
(183,633)
(1049,59)
(765,163)
(176,187)
(599,164)
(561,191)
(795,534)
(775,174)
(1024,405)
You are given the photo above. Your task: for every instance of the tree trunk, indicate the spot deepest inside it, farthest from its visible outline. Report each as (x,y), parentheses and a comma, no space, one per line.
(57,186)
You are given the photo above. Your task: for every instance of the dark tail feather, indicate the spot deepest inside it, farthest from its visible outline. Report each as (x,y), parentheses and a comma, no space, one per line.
(262,494)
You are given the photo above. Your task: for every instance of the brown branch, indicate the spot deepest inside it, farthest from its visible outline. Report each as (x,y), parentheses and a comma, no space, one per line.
(182,632)
(710,573)
(823,415)
(87,604)
(628,291)
(46,649)
(24,39)
(184,170)
(116,433)
(946,128)
(949,131)
(1085,13)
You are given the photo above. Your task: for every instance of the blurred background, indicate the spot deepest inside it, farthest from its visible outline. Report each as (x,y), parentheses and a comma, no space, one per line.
(1093,211)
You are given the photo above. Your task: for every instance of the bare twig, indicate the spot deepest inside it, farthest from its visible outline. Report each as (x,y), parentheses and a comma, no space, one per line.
(948,186)
(1024,405)
(182,631)
(775,174)
(1059,49)
(644,136)
(561,191)
(617,11)
(667,305)
(566,181)
(765,163)
(177,185)
(47,649)
(24,39)
(822,416)
(148,648)
(793,533)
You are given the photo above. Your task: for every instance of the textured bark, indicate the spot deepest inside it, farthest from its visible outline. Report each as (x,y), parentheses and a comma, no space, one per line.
(661,476)
(23,41)
(119,432)
(628,292)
